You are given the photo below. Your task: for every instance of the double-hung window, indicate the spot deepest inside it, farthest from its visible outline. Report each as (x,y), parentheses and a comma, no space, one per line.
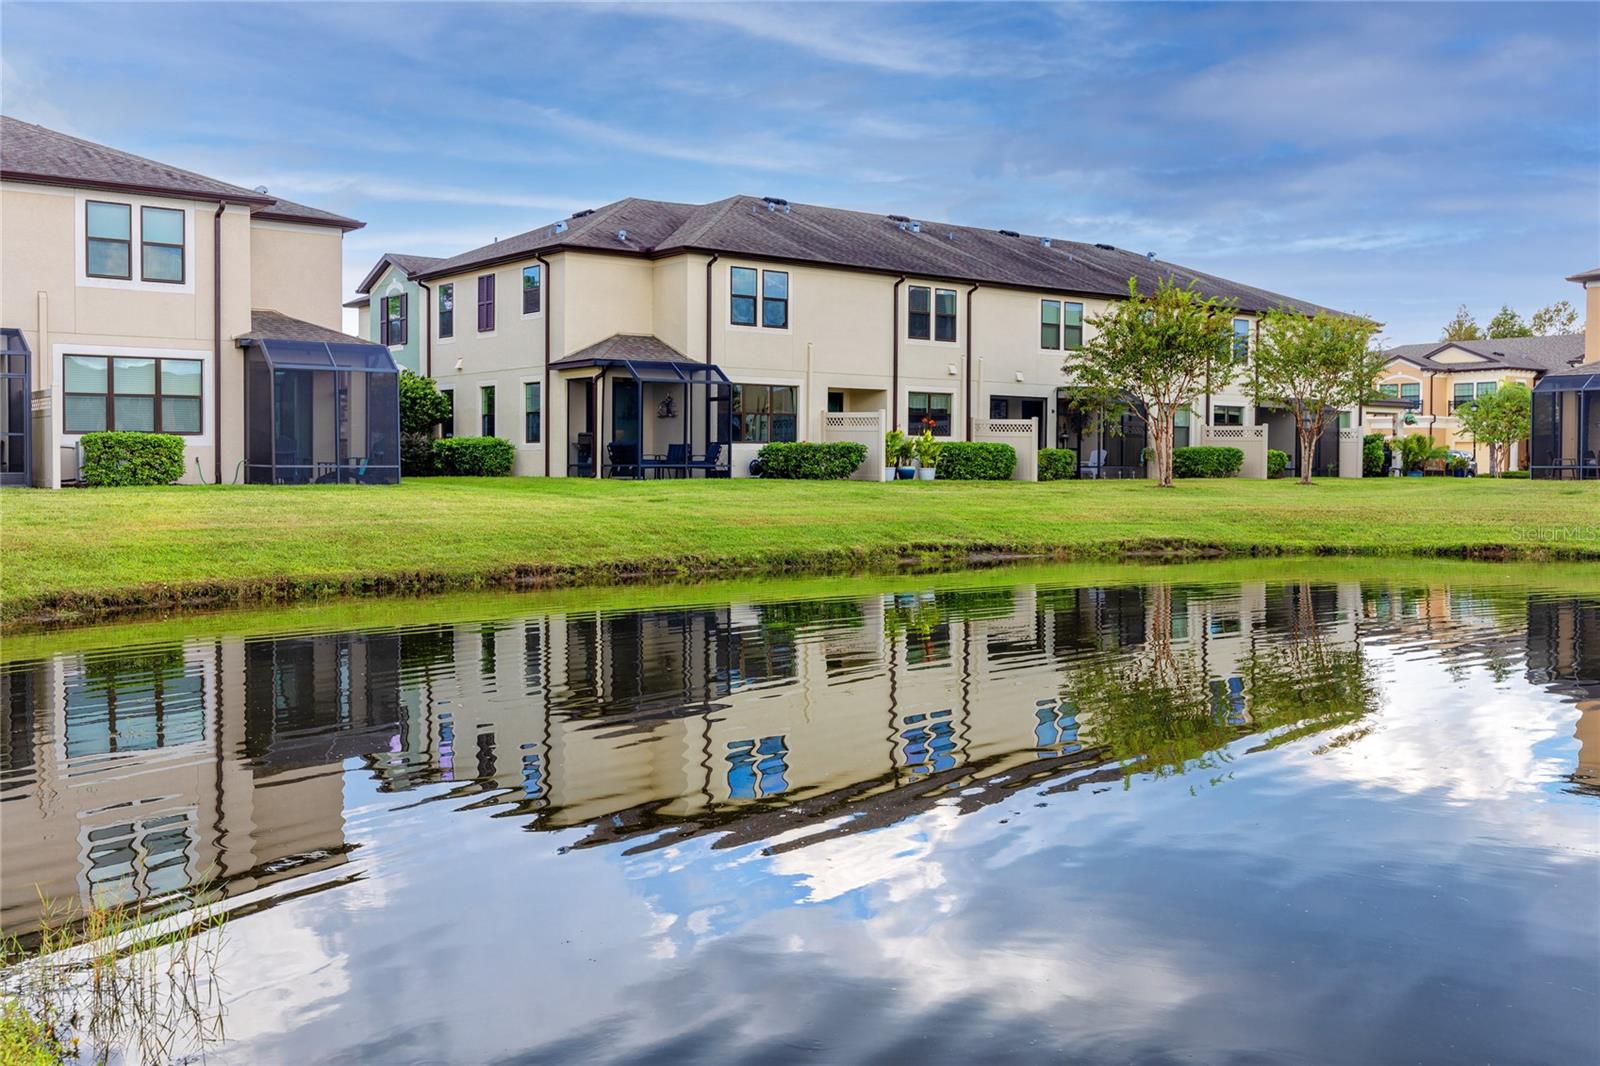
(392,329)
(1411,391)
(764,413)
(944,314)
(774,297)
(485,303)
(928,410)
(1060,325)
(447,311)
(1461,394)
(161,244)
(742,296)
(530,290)
(447,428)
(1241,340)
(918,313)
(486,409)
(134,394)
(109,253)
(1227,416)
(531,412)
(1390,390)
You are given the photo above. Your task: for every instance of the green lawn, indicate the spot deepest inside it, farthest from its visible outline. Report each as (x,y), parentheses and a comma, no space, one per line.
(82,553)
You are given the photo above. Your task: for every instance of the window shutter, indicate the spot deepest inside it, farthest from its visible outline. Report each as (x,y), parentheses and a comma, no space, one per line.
(405,318)
(382,310)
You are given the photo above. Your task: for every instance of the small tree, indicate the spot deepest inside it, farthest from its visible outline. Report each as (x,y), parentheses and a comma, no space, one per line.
(1557,318)
(1507,323)
(1463,327)
(422,405)
(1314,366)
(1498,420)
(1157,351)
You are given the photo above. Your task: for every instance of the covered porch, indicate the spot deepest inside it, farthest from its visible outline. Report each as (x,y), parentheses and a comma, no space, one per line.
(637,408)
(1107,447)
(320,406)
(1565,435)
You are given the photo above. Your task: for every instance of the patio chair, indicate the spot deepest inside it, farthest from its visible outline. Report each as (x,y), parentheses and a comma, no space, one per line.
(624,458)
(709,461)
(1093,464)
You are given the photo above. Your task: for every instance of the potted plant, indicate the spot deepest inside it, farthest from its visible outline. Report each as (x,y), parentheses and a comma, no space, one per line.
(894,444)
(928,450)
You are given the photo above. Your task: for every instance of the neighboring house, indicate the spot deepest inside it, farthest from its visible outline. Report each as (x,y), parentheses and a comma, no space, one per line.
(139,296)
(1565,435)
(1432,380)
(646,328)
(392,308)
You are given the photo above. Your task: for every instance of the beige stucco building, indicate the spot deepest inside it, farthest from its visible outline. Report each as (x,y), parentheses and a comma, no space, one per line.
(134,286)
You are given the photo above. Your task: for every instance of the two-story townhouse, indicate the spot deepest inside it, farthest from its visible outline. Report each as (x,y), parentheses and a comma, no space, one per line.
(697,333)
(1564,437)
(392,308)
(141,296)
(1431,381)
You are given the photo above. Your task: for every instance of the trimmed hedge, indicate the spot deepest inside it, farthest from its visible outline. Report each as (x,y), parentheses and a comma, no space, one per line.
(1058,464)
(1277,462)
(976,461)
(811,460)
(473,456)
(1206,461)
(113,458)
(1374,455)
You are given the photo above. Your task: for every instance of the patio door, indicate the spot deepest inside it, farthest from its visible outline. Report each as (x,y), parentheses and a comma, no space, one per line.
(16,412)
(580,428)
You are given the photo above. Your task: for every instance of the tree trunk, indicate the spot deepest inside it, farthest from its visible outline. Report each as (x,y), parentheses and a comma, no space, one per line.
(1306,430)
(1161,444)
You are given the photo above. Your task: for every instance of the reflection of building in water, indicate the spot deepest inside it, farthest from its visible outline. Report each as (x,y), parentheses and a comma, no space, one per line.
(131,775)
(1564,656)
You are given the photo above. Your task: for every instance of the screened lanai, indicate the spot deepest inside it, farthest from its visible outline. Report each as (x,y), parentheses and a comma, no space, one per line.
(1564,440)
(320,406)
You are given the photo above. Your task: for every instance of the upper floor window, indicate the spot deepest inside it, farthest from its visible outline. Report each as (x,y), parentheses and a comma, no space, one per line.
(531,411)
(486,409)
(742,296)
(1227,416)
(944,314)
(919,326)
(485,306)
(392,329)
(774,297)
(1411,390)
(530,290)
(763,413)
(135,394)
(447,311)
(1060,325)
(928,410)
(161,244)
(1241,339)
(1390,389)
(110,236)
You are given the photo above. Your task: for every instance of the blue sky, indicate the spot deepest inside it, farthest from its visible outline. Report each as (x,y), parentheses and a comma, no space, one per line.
(1392,159)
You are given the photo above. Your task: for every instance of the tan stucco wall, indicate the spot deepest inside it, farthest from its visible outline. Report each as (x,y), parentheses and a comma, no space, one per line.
(1591,322)
(297,270)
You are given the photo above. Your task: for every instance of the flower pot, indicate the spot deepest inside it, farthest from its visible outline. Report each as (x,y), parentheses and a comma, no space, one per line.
(889,473)
(926,473)
(906,473)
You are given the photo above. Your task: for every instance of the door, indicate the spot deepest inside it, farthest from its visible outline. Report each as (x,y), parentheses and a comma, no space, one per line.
(16,414)
(580,428)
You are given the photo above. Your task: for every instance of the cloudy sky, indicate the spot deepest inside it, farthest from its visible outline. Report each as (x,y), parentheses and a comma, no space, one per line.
(1392,159)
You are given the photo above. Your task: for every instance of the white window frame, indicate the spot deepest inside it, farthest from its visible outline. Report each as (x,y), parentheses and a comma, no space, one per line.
(135,282)
(727,307)
(933,341)
(544,291)
(59,352)
(522,405)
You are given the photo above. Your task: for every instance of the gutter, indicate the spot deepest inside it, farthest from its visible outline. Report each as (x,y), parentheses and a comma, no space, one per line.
(714,257)
(216,341)
(975,287)
(894,387)
(427,329)
(548,283)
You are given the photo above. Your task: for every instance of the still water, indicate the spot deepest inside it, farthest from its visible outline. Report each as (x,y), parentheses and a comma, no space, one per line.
(1009,816)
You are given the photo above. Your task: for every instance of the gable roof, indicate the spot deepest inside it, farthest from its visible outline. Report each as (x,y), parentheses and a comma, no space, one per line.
(625,347)
(273,325)
(830,236)
(409,265)
(1540,354)
(1587,275)
(37,155)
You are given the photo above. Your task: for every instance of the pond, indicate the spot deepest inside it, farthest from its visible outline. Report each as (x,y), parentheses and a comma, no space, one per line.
(1298,812)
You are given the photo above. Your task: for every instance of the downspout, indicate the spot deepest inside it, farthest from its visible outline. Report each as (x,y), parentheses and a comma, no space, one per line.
(547,281)
(975,287)
(894,372)
(714,257)
(427,328)
(216,342)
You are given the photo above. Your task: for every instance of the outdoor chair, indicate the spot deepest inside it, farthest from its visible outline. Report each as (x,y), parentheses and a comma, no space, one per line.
(709,461)
(624,459)
(1096,460)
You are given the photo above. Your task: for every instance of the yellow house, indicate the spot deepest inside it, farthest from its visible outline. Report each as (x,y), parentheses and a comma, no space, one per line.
(135,296)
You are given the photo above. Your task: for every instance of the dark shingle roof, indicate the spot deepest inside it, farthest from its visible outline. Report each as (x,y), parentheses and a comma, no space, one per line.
(1587,275)
(359,301)
(32,153)
(410,265)
(271,325)
(829,236)
(633,347)
(1543,354)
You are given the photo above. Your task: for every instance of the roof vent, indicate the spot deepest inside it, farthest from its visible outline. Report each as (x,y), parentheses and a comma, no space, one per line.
(622,234)
(916,227)
(262,189)
(1150,256)
(1107,247)
(1009,233)
(899,218)
(776,201)
(561,227)
(950,236)
(584,213)
(1045,241)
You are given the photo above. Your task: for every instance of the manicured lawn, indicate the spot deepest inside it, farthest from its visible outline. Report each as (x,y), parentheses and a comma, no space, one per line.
(80,552)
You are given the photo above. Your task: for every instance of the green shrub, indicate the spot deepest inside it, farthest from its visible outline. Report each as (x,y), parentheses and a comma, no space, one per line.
(422,405)
(1374,456)
(977,461)
(1514,474)
(131,458)
(473,456)
(1206,461)
(810,460)
(416,454)
(1277,462)
(1058,464)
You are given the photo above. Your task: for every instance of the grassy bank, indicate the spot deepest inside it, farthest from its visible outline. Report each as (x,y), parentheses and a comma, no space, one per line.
(79,555)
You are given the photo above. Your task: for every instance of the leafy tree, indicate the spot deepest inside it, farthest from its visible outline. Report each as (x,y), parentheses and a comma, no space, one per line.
(1499,419)
(1558,318)
(1507,323)
(1463,327)
(422,405)
(1159,351)
(1314,366)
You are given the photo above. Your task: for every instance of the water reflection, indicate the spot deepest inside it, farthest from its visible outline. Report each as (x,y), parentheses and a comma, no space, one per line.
(780,726)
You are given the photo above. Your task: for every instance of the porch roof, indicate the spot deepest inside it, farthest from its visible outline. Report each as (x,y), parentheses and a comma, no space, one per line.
(1579,379)
(644,356)
(292,343)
